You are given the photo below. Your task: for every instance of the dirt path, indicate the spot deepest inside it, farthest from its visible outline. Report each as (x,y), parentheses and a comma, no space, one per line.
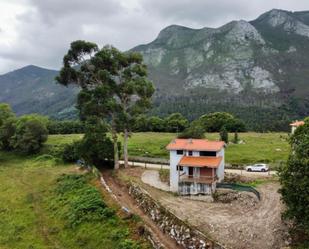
(126,200)
(234,171)
(251,174)
(231,224)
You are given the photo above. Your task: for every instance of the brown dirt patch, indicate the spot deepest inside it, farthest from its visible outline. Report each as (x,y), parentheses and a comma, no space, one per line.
(235,225)
(120,190)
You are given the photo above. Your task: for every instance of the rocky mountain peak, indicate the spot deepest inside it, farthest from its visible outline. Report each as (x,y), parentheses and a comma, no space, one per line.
(289,22)
(275,18)
(278,17)
(172,30)
(243,31)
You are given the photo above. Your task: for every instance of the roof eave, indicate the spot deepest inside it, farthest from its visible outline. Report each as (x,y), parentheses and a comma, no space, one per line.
(195,149)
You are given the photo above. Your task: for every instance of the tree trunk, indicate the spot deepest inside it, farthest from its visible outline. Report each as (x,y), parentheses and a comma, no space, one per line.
(125,148)
(116,158)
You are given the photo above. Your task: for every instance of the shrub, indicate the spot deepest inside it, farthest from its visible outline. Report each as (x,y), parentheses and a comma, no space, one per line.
(236,138)
(65,127)
(164,175)
(128,244)
(70,152)
(83,202)
(224,136)
(68,183)
(7,131)
(87,207)
(194,131)
(46,160)
(5,113)
(30,134)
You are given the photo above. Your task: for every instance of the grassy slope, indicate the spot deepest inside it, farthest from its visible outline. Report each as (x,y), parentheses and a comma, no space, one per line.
(257,147)
(26,219)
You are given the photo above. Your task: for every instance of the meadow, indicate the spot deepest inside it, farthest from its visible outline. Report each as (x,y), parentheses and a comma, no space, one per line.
(34,215)
(254,147)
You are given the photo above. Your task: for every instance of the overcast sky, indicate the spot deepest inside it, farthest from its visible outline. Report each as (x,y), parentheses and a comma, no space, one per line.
(39,31)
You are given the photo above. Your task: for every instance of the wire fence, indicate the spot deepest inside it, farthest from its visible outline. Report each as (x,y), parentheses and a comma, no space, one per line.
(153,160)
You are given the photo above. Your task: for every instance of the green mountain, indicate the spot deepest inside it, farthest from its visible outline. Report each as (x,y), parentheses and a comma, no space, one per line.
(33,89)
(268,55)
(257,70)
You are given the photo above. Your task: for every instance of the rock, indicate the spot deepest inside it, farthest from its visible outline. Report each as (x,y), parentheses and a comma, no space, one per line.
(182,233)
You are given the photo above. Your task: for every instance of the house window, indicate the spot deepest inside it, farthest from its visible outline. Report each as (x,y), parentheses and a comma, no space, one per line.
(208,153)
(190,152)
(179,152)
(179,168)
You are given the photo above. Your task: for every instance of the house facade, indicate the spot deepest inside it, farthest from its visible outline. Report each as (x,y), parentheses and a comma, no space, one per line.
(296,124)
(196,165)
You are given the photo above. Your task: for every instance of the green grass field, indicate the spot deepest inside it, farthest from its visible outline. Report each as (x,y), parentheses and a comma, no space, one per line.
(271,148)
(28,220)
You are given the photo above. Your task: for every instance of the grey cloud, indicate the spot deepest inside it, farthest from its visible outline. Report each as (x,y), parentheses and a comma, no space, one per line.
(53,10)
(46,29)
(198,12)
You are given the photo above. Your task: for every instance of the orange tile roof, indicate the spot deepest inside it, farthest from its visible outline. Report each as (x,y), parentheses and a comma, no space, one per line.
(200,161)
(195,144)
(297,123)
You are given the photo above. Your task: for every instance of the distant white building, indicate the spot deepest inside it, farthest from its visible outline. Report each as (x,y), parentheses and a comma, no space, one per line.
(196,165)
(296,124)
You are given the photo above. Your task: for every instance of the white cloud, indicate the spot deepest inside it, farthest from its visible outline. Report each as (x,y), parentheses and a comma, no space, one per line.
(39,31)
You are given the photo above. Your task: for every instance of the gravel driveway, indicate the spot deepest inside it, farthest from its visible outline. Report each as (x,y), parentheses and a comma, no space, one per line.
(152,178)
(234,225)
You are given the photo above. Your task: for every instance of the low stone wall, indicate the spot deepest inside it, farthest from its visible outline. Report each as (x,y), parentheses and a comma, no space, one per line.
(184,235)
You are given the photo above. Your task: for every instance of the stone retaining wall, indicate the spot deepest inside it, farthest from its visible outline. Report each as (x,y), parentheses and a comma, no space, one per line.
(184,235)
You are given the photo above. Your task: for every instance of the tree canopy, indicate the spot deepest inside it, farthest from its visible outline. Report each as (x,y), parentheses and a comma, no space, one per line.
(25,134)
(176,122)
(214,122)
(5,113)
(114,86)
(294,178)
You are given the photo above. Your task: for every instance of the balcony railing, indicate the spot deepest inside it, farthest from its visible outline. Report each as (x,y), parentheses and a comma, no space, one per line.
(197,179)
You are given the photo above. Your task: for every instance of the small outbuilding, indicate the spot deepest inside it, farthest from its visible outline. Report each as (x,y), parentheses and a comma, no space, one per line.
(295,125)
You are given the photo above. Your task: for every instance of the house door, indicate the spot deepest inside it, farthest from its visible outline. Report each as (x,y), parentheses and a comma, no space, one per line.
(190,172)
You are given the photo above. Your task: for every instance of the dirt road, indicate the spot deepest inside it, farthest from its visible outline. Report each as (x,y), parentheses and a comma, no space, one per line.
(126,200)
(235,171)
(238,228)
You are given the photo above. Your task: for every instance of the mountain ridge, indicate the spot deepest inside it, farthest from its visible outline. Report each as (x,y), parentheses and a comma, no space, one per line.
(33,89)
(261,64)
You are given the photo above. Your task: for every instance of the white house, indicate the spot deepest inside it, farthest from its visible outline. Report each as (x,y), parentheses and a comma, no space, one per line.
(296,124)
(196,165)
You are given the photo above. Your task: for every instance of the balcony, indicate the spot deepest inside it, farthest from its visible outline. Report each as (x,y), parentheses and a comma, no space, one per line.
(197,179)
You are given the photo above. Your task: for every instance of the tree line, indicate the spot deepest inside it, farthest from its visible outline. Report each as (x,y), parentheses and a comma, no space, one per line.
(175,122)
(261,113)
